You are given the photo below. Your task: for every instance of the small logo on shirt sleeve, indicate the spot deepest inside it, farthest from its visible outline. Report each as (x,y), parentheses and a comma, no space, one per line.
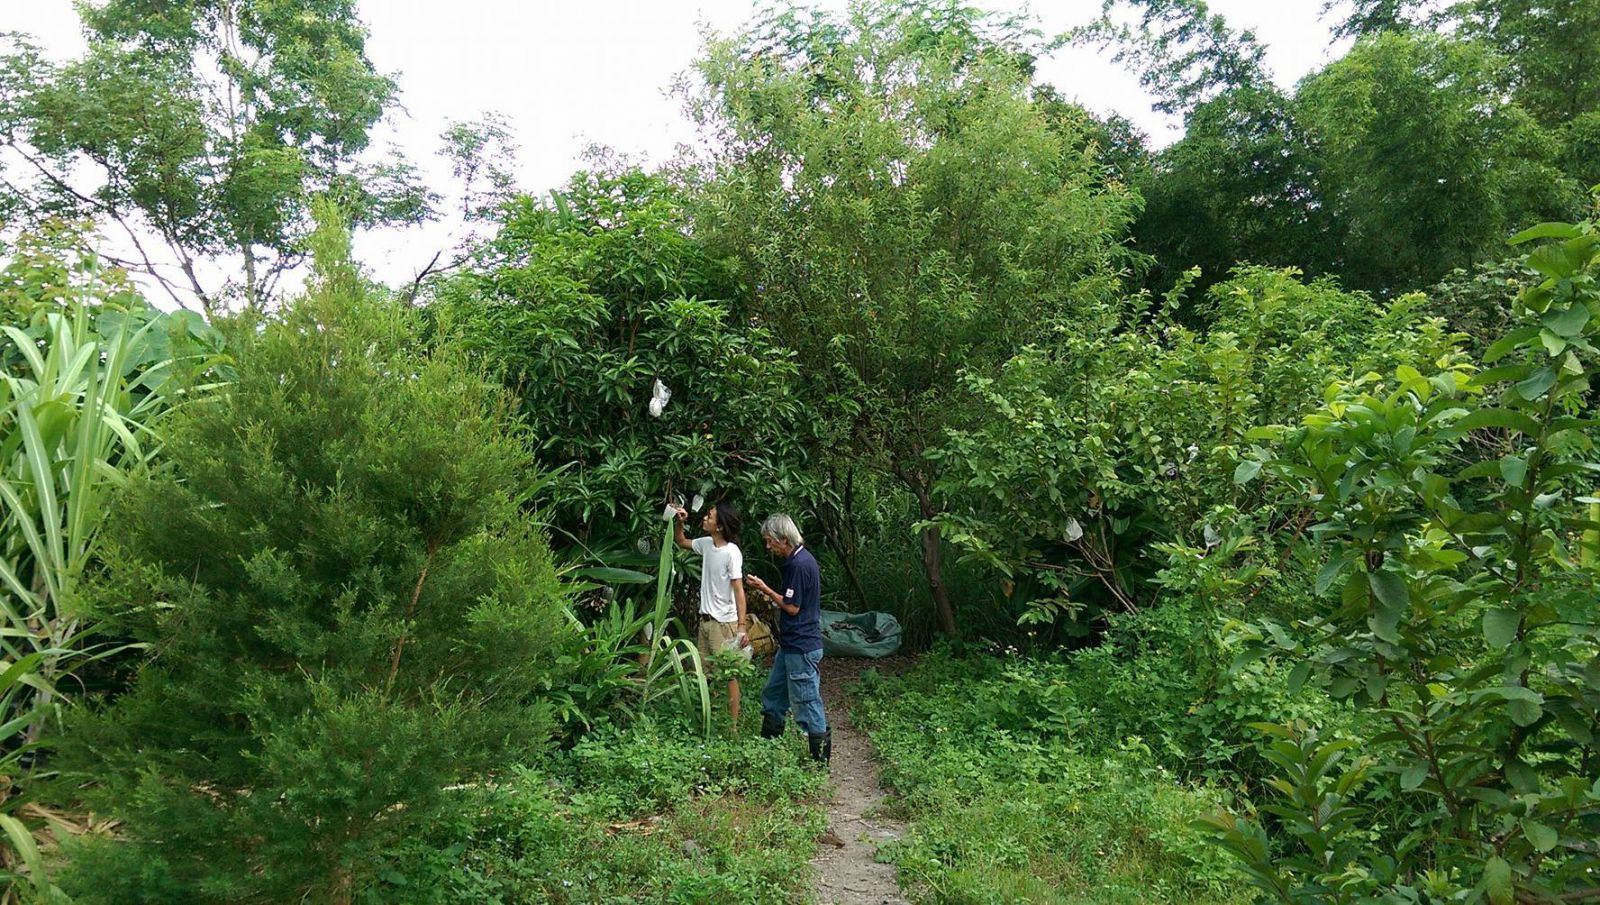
(788,592)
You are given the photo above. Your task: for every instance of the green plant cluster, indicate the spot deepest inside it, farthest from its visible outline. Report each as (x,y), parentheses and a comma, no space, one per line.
(581,303)
(1455,503)
(1012,800)
(1086,459)
(653,814)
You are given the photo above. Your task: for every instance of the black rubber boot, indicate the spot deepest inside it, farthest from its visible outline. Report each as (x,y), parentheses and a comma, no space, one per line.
(821,747)
(771,728)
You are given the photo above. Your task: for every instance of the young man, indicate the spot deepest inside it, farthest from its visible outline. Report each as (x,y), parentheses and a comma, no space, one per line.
(723,618)
(795,682)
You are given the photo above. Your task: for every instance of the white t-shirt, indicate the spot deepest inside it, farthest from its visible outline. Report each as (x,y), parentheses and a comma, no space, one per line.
(719,568)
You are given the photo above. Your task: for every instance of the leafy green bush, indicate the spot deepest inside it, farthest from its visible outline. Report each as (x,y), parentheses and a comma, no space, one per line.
(655,814)
(351,614)
(1082,456)
(1457,508)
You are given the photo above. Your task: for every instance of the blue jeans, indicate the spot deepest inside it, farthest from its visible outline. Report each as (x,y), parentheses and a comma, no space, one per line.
(794,682)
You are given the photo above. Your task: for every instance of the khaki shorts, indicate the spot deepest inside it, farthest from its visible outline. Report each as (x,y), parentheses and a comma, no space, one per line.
(715,637)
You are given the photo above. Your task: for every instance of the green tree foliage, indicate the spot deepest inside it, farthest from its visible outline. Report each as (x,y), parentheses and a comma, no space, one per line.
(205,126)
(347,612)
(1549,46)
(1423,168)
(1455,506)
(88,371)
(581,302)
(1083,458)
(1184,53)
(1414,154)
(1242,185)
(1361,18)
(903,204)
(1552,46)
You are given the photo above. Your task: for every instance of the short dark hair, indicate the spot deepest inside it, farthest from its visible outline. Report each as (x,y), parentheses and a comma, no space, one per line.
(728,521)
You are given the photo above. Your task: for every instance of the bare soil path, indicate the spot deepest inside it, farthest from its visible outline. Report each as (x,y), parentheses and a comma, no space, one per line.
(846,865)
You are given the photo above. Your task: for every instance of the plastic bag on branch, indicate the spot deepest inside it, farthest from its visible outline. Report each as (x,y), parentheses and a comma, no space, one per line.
(658,399)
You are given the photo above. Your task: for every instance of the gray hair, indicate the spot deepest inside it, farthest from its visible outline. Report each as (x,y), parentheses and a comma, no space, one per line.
(782,527)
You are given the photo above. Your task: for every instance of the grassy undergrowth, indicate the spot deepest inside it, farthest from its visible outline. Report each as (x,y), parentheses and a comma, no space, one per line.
(650,814)
(1007,810)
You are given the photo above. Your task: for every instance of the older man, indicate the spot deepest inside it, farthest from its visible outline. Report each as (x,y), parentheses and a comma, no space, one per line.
(794,683)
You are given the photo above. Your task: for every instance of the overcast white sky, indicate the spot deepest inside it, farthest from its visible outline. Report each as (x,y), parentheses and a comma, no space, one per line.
(573,72)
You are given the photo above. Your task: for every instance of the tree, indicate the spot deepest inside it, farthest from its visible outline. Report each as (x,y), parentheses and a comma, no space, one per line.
(1553,47)
(1550,47)
(1423,164)
(582,302)
(1097,452)
(348,613)
(204,127)
(902,206)
(1243,184)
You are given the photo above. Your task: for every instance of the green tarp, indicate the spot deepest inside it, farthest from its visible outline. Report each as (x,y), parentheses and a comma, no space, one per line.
(859,634)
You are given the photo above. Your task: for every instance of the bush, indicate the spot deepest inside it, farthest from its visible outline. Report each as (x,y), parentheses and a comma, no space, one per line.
(1456,507)
(353,614)
(580,304)
(1080,458)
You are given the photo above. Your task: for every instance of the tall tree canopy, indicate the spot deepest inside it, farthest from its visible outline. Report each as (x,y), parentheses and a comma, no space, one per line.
(904,204)
(204,126)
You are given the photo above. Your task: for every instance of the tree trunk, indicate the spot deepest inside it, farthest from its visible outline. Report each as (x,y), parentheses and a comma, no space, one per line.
(932,558)
(838,531)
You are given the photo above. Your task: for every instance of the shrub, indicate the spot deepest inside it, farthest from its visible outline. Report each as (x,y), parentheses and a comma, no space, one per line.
(354,615)
(1456,508)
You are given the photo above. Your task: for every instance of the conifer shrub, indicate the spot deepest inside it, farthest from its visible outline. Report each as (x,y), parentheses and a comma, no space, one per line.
(353,618)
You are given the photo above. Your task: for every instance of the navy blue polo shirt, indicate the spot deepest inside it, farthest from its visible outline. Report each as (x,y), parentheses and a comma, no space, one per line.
(802,584)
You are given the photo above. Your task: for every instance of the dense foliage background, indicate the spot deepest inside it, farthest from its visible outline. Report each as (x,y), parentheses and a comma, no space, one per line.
(1238,495)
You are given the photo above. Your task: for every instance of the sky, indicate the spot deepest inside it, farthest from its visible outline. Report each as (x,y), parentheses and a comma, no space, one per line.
(569,73)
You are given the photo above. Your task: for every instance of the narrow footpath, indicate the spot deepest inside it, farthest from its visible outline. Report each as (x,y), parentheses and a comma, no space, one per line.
(846,865)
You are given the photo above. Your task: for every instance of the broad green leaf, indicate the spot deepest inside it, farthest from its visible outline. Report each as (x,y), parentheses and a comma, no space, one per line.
(1497,417)
(1298,676)
(1552,343)
(1389,588)
(1392,596)
(1514,469)
(1546,231)
(1552,261)
(611,575)
(1536,385)
(1542,837)
(1246,471)
(1330,573)
(1412,776)
(1500,627)
(1507,343)
(1497,882)
(1569,322)
(1524,713)
(1522,777)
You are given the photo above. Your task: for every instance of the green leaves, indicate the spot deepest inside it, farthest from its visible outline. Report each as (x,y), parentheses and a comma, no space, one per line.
(1497,881)
(1246,472)
(1390,591)
(1547,231)
(1486,552)
(139,115)
(1509,419)
(1500,626)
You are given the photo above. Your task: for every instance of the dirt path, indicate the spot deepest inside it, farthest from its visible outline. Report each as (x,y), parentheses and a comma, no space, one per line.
(846,866)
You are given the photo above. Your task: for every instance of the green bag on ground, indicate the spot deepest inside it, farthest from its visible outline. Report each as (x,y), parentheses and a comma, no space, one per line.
(859,634)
